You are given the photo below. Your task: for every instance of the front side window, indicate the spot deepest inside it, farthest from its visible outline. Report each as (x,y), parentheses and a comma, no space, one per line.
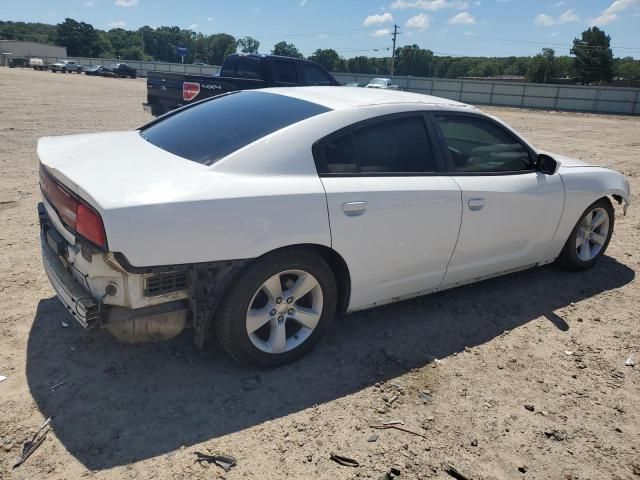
(479,145)
(211,130)
(285,72)
(394,146)
(315,75)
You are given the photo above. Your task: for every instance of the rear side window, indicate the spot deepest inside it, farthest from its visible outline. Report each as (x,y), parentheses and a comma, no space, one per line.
(285,72)
(315,76)
(211,130)
(394,146)
(249,67)
(229,67)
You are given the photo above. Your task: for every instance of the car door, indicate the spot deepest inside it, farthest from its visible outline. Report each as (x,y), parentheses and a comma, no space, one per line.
(510,211)
(394,212)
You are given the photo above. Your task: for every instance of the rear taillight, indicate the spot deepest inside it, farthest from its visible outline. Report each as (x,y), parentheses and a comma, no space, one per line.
(190,90)
(73,212)
(89,225)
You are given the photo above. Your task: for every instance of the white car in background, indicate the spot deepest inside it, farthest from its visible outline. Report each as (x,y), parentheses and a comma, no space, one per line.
(66,66)
(259,229)
(384,83)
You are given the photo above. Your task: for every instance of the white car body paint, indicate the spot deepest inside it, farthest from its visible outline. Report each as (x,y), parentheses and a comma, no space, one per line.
(401,239)
(513,220)
(416,234)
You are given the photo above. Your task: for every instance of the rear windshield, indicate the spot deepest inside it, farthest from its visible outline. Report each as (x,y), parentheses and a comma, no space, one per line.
(211,130)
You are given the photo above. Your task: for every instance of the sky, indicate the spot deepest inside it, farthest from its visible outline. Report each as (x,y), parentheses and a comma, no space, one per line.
(359,27)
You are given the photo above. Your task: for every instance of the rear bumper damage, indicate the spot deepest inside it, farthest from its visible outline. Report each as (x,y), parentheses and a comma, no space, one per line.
(150,323)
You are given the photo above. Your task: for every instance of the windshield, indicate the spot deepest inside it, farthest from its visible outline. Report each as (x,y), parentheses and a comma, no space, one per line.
(211,130)
(379,81)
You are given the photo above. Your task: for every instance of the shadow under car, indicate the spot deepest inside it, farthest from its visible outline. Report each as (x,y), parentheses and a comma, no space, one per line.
(139,401)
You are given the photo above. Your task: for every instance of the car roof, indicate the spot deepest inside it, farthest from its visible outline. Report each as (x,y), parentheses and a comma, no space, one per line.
(338,98)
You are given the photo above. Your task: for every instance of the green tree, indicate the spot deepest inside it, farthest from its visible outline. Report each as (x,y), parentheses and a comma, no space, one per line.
(104,45)
(248,45)
(131,53)
(515,66)
(564,67)
(459,67)
(543,67)
(358,64)
(32,32)
(328,58)
(220,45)
(627,68)
(593,56)
(440,66)
(285,49)
(80,38)
(413,60)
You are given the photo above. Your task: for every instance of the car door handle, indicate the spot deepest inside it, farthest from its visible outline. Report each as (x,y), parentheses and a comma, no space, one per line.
(475,204)
(353,209)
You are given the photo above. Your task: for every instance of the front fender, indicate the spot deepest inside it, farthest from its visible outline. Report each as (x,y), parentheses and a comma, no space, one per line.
(584,185)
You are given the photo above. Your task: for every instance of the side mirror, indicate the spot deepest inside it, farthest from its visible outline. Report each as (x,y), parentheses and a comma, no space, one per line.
(546,164)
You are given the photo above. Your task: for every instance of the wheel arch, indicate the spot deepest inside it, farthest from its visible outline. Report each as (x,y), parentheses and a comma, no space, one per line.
(336,263)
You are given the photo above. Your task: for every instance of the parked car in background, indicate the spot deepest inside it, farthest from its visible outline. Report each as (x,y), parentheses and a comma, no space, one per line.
(18,62)
(381,83)
(167,91)
(259,215)
(65,66)
(120,70)
(95,70)
(37,64)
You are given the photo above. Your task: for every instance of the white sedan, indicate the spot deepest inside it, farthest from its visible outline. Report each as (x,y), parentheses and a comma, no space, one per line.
(383,83)
(258,216)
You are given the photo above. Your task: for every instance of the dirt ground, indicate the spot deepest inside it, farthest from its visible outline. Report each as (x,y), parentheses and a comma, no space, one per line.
(457,367)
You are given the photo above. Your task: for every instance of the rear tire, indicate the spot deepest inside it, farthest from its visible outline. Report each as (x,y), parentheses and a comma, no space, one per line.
(277,309)
(590,237)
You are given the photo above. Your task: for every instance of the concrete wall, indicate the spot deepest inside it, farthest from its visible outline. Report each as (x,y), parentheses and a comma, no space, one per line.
(613,100)
(141,66)
(576,98)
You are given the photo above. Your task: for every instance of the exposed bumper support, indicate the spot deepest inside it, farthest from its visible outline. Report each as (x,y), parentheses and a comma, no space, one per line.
(84,308)
(156,322)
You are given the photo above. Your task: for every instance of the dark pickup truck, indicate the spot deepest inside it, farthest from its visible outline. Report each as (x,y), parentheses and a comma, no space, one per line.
(167,91)
(119,70)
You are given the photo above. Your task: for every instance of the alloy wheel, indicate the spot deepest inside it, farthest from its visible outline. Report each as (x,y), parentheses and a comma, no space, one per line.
(592,234)
(284,311)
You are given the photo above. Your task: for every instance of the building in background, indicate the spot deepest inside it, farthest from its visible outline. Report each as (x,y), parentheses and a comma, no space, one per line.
(14,49)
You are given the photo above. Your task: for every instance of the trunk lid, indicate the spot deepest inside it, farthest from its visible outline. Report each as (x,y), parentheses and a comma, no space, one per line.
(117,169)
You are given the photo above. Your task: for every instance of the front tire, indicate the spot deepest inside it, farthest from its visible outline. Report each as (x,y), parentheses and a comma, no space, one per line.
(590,237)
(277,309)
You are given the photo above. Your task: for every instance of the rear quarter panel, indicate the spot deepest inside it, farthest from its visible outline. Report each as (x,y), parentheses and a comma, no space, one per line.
(243,216)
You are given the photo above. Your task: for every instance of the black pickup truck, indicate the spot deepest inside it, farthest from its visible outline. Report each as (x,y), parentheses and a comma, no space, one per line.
(119,70)
(167,91)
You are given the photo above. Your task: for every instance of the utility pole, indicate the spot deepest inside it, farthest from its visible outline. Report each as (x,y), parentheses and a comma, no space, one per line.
(393,50)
